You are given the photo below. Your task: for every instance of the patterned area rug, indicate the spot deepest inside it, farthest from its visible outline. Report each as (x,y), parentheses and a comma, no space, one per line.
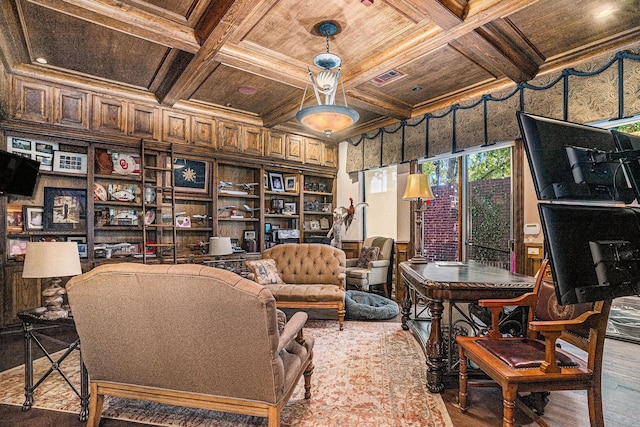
(370,374)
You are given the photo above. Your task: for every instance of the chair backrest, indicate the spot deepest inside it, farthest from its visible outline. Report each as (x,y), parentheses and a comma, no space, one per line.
(546,308)
(180,327)
(384,243)
(308,263)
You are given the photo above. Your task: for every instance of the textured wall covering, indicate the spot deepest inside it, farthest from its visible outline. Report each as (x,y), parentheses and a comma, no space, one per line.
(415,133)
(603,88)
(392,145)
(469,126)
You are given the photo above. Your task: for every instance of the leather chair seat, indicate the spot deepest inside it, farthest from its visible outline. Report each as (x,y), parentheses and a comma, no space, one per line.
(523,354)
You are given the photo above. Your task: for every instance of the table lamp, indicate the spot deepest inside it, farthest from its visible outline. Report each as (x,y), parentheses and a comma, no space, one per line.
(418,190)
(219,246)
(52,260)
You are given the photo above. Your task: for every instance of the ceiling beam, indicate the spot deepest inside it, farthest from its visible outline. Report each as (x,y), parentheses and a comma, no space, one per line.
(204,61)
(13,48)
(121,17)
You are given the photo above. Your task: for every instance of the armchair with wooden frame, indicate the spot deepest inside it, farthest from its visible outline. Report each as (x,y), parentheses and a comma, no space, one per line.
(534,364)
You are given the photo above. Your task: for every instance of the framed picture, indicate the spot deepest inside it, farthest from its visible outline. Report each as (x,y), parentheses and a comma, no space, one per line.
(65,209)
(32,217)
(41,151)
(69,162)
(82,250)
(16,248)
(276,180)
(15,219)
(291,183)
(249,235)
(191,176)
(289,208)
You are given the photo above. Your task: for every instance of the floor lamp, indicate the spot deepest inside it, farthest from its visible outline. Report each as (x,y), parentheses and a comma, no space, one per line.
(419,191)
(52,260)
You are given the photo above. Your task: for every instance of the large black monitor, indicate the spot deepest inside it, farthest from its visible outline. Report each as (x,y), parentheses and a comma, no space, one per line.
(561,157)
(594,251)
(18,174)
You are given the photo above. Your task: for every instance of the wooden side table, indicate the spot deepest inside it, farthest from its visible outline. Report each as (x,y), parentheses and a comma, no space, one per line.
(31,335)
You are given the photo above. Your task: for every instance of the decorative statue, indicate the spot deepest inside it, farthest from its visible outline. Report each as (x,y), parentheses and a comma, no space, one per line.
(343,217)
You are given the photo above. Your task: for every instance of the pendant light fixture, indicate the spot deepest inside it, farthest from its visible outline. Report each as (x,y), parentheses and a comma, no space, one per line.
(326,117)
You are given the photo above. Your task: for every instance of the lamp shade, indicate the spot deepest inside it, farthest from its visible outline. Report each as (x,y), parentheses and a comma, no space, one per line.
(327,118)
(418,188)
(220,246)
(51,259)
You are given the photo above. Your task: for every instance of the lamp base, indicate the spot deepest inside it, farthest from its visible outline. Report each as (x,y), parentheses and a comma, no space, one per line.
(53,296)
(419,260)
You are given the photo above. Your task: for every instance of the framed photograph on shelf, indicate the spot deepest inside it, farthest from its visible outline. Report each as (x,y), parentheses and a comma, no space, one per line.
(70,162)
(65,209)
(15,219)
(276,181)
(249,235)
(291,183)
(32,217)
(191,176)
(289,208)
(16,248)
(41,151)
(265,180)
(82,250)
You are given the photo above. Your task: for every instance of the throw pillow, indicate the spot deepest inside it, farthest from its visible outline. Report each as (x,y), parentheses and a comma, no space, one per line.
(367,255)
(264,271)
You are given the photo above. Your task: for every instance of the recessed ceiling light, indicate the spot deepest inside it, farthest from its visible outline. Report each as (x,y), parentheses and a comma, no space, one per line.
(41,60)
(605,11)
(247,90)
(416,88)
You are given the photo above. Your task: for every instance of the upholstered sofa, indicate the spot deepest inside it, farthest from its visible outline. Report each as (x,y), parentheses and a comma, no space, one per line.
(187,335)
(309,275)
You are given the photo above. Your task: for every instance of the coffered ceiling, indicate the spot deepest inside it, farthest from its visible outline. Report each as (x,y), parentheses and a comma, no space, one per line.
(249,58)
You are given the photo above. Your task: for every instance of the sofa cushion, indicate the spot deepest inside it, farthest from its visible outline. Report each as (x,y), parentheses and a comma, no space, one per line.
(307,293)
(264,271)
(367,255)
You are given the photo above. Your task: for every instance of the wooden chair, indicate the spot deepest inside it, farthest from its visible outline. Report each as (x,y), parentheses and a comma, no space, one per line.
(530,364)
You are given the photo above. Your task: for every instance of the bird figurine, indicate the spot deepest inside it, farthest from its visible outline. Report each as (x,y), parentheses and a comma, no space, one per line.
(343,216)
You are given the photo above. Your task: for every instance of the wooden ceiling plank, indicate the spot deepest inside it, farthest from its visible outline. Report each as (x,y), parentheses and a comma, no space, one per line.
(13,49)
(424,42)
(127,20)
(203,62)
(444,16)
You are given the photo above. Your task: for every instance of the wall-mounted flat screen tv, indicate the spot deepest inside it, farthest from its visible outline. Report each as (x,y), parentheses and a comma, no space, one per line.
(562,157)
(18,174)
(594,251)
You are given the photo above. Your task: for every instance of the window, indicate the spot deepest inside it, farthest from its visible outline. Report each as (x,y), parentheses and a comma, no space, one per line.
(471,217)
(381,188)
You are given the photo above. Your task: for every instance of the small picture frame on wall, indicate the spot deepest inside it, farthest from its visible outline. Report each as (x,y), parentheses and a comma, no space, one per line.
(67,162)
(33,217)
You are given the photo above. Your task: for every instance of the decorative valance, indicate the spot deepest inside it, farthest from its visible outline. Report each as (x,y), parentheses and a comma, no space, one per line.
(597,92)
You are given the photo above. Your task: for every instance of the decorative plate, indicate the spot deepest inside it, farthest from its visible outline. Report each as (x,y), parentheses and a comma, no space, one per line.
(99,193)
(150,217)
(124,165)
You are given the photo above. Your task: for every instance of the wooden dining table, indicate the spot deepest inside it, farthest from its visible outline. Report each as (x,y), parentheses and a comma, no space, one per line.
(435,284)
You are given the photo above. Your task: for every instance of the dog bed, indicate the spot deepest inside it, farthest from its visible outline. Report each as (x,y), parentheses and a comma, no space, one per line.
(361,305)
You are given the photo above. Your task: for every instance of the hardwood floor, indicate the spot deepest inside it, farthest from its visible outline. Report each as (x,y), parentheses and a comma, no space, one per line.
(621,395)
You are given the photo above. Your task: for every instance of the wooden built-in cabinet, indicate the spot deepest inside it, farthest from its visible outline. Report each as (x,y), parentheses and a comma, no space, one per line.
(153,219)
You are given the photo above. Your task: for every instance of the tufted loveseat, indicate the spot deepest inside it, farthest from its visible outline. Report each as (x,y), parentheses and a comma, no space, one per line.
(313,276)
(187,335)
